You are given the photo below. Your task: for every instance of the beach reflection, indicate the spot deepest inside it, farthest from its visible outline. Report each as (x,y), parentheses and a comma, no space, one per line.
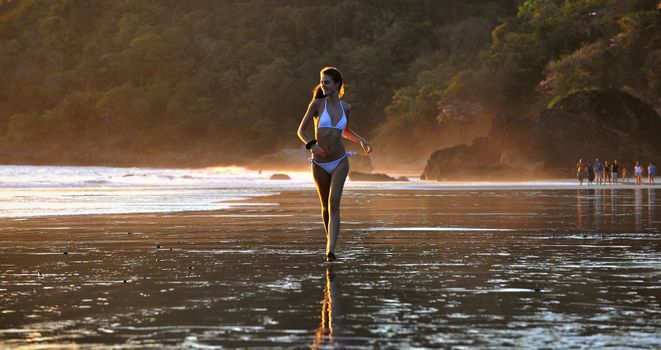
(612,209)
(329,311)
(498,269)
(598,206)
(650,202)
(614,205)
(579,209)
(638,203)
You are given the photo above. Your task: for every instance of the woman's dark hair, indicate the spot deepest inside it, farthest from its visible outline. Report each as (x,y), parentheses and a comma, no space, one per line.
(335,74)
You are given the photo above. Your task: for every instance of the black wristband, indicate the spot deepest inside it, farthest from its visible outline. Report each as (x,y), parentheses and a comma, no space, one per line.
(309,144)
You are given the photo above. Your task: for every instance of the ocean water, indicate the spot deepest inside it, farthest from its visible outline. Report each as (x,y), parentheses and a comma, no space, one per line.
(30,191)
(27,191)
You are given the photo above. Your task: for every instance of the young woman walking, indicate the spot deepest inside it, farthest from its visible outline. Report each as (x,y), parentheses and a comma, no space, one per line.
(330,165)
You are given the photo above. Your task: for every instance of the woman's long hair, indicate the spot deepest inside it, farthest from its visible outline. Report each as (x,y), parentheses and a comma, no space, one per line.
(335,74)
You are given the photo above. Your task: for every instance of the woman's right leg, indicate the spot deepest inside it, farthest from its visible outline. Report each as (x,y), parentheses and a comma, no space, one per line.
(337,185)
(322,181)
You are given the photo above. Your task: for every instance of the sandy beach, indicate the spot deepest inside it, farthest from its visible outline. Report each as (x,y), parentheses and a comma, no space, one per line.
(161,162)
(460,269)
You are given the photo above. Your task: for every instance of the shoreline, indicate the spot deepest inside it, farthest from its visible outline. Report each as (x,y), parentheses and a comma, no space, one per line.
(303,169)
(546,184)
(360,186)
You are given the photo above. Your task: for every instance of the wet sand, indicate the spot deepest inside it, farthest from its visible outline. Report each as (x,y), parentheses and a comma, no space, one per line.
(461,269)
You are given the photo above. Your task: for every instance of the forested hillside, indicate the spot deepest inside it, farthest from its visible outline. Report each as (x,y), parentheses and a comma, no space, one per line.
(178,83)
(545,51)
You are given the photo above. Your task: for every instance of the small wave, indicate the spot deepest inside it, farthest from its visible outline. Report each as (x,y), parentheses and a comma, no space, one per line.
(431,228)
(96,182)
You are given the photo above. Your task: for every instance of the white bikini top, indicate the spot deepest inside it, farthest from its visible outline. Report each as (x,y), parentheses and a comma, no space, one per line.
(325,120)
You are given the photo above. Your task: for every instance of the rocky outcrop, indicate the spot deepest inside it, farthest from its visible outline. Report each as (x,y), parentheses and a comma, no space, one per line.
(508,152)
(279,176)
(605,124)
(358,176)
(361,163)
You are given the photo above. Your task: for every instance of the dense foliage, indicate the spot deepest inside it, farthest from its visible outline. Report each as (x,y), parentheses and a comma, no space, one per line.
(169,82)
(546,51)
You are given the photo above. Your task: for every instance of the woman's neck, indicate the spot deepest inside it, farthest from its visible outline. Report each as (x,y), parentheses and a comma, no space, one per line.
(333,97)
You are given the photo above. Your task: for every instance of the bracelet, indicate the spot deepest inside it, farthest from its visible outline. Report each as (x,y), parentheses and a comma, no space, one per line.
(309,144)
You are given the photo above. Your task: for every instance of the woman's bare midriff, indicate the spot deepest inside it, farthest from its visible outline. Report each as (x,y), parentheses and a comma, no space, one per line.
(330,140)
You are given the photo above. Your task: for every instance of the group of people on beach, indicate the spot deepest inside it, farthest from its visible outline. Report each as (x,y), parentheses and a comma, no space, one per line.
(608,173)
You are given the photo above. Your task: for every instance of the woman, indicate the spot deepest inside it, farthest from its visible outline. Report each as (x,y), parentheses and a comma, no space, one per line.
(330,165)
(580,171)
(651,169)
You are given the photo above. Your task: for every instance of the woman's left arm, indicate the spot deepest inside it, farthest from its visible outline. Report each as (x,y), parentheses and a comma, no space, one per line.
(352,136)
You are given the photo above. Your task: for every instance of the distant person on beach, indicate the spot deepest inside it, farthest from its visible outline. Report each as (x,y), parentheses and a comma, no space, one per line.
(330,165)
(625,179)
(638,173)
(590,168)
(651,169)
(598,170)
(580,174)
(607,172)
(614,169)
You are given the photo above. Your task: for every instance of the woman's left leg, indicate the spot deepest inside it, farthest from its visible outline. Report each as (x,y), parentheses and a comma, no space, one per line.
(338,178)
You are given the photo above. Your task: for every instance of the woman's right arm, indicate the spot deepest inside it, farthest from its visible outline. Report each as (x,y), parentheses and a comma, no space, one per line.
(302,128)
(307,118)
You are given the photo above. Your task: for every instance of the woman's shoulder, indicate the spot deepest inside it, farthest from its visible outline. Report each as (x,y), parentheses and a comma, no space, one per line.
(315,105)
(345,105)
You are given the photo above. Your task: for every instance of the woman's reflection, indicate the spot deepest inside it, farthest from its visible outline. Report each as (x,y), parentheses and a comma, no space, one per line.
(329,311)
